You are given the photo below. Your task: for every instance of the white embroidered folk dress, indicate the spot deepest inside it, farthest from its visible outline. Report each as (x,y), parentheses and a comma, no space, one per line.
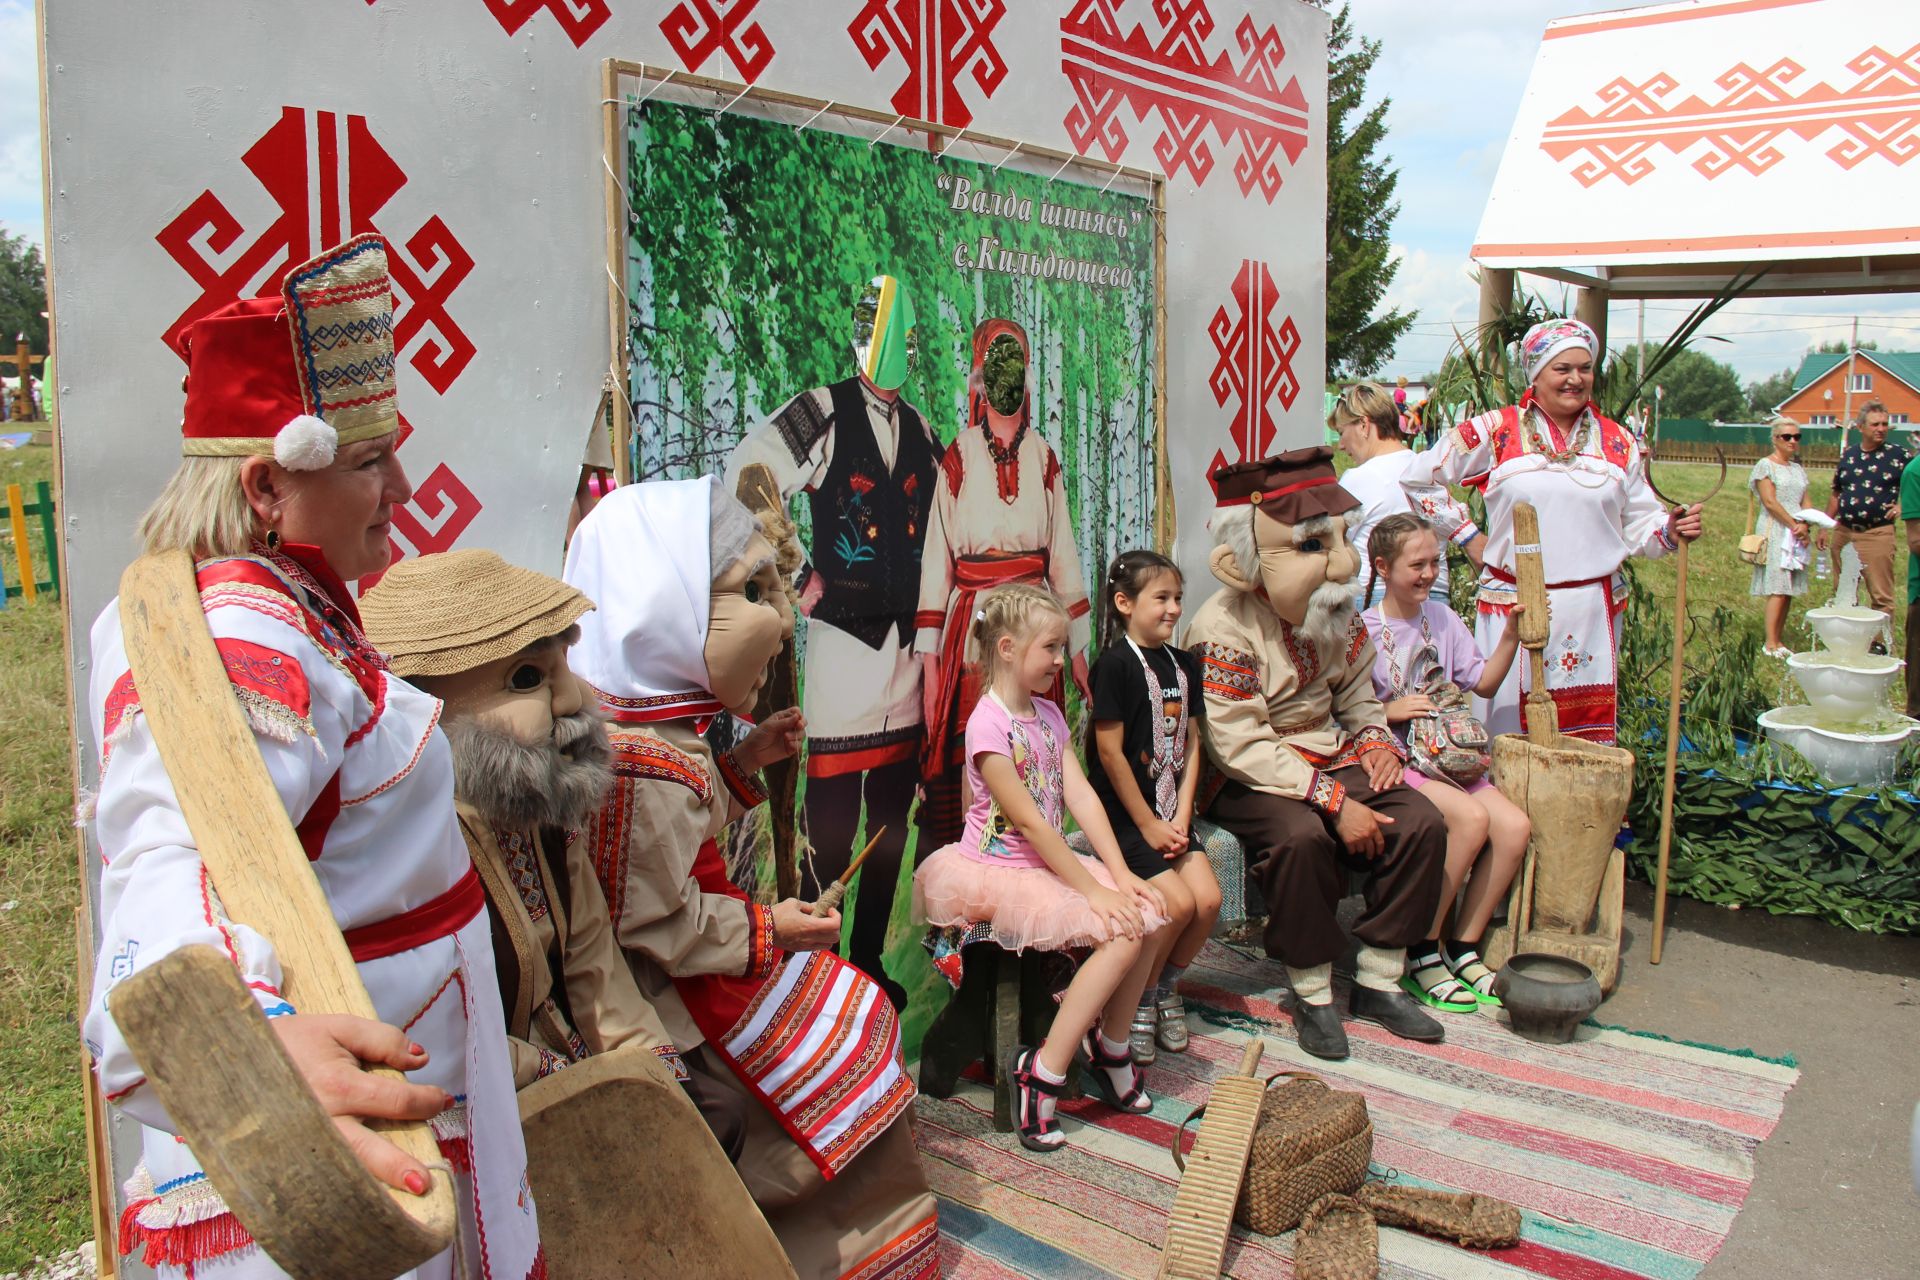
(345,740)
(1595,508)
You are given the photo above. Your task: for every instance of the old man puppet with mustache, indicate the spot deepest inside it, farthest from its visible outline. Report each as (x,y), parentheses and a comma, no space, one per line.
(692,609)
(532,763)
(1308,776)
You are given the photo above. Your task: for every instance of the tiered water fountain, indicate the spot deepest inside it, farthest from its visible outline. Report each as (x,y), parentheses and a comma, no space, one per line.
(1847,731)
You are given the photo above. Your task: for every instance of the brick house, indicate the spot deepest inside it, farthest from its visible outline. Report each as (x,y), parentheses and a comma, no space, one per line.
(1819,396)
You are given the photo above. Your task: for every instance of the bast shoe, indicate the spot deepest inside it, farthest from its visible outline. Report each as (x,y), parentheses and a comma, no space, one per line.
(1318,1027)
(1398,1012)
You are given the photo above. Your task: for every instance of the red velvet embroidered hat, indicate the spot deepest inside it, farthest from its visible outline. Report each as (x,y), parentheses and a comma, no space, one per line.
(1292,486)
(296,376)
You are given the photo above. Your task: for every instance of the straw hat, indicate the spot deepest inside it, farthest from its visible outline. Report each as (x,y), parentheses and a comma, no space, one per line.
(453,611)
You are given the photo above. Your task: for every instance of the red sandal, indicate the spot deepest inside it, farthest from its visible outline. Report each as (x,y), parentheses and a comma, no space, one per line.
(1027,1084)
(1099,1062)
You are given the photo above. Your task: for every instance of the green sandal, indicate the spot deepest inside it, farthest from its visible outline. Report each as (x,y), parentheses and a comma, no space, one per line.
(1473,973)
(1435,986)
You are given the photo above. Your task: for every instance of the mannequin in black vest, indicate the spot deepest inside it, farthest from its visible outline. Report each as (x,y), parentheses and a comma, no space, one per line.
(866,462)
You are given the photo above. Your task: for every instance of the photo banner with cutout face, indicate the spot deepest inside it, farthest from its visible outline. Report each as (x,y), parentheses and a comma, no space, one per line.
(1021,445)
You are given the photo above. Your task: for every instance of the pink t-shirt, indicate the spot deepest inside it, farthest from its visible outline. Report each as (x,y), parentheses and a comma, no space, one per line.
(1396,640)
(1037,745)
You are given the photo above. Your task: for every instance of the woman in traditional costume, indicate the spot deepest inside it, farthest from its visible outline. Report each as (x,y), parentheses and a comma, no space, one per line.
(999,515)
(1586,476)
(285,495)
(691,610)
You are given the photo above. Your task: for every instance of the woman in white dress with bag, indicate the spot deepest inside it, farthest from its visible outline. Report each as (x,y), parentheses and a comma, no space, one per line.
(1778,484)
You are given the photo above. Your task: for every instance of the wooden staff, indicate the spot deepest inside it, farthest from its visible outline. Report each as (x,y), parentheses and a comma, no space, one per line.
(829,900)
(1530,581)
(1674,680)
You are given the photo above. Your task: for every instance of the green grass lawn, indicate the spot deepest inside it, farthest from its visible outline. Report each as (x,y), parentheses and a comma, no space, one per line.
(43,1154)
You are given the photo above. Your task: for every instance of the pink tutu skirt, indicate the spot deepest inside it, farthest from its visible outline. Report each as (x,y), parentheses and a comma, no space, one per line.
(1030,908)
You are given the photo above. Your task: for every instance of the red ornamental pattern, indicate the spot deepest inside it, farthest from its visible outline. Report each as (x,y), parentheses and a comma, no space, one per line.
(1876,116)
(1255,364)
(578,18)
(1173,76)
(697,29)
(328,177)
(942,42)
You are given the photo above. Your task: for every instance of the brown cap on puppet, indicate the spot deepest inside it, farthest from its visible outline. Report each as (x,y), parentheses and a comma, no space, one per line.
(1282,529)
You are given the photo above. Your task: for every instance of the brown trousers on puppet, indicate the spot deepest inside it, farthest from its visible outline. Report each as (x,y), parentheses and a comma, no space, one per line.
(829,1229)
(1301,865)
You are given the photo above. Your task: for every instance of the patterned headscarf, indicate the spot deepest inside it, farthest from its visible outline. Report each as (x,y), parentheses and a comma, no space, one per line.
(1548,339)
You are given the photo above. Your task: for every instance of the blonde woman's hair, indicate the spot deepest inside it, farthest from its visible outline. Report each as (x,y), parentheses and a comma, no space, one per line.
(1012,610)
(1367,402)
(1781,420)
(202,511)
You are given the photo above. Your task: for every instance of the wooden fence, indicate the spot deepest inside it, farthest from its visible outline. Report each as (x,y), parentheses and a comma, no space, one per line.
(28,583)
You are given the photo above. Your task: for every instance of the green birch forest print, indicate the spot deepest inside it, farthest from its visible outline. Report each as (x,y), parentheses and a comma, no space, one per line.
(749,243)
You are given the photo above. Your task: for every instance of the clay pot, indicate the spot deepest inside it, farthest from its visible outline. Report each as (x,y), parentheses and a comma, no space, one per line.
(1546,996)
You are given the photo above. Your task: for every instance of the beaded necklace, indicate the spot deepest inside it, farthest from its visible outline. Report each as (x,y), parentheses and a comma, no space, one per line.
(1169,735)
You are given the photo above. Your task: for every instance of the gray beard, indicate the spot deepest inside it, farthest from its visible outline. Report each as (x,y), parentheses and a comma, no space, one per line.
(1329,615)
(558,783)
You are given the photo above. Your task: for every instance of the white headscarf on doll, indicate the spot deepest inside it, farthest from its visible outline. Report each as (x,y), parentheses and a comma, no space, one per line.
(646,554)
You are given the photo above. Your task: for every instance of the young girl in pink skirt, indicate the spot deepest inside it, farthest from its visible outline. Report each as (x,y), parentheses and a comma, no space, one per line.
(1012,867)
(1486,832)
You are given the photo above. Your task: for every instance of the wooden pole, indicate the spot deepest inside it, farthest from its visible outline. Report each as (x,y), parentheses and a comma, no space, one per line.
(613,142)
(1673,753)
(1536,621)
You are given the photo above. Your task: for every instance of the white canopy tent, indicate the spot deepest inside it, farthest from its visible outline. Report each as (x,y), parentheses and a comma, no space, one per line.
(1660,152)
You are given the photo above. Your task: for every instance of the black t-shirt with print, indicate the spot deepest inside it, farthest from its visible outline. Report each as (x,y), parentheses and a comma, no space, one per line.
(1120,694)
(1868,483)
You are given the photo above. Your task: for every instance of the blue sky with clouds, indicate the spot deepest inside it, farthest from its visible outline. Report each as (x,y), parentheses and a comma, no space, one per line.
(1455,70)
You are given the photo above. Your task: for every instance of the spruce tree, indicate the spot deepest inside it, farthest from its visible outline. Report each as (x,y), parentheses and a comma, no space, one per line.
(1360,211)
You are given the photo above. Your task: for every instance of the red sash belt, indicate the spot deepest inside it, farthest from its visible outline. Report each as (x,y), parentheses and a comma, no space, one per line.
(1605,580)
(971,576)
(439,918)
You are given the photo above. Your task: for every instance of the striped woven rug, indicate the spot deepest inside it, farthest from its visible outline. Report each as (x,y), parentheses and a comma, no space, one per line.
(1628,1155)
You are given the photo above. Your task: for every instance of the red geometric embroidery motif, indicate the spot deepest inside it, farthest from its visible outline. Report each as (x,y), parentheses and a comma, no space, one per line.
(940,41)
(699,28)
(329,178)
(1174,77)
(1877,115)
(266,672)
(1256,362)
(578,18)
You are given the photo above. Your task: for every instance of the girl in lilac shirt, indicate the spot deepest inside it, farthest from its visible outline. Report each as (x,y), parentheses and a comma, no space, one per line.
(1486,832)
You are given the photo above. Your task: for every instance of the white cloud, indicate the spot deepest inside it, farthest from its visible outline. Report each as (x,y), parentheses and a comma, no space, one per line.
(20,209)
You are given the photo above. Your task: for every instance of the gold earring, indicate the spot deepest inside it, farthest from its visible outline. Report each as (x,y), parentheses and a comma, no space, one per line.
(273,539)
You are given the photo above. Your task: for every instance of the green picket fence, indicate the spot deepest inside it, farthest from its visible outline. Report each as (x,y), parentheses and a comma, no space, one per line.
(26,583)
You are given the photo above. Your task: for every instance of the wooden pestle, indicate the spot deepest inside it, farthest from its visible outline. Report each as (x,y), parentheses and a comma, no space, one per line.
(1536,623)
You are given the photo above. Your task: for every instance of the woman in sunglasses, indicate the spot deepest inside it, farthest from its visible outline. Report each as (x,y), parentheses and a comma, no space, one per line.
(1779,483)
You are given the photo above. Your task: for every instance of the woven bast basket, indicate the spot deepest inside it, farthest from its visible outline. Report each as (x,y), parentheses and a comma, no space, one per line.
(1338,1240)
(1311,1140)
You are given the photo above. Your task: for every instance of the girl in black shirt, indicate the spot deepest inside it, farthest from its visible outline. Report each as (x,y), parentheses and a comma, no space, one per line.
(1146,698)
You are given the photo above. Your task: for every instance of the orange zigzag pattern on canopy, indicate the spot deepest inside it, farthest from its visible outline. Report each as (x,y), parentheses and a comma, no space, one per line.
(1877,116)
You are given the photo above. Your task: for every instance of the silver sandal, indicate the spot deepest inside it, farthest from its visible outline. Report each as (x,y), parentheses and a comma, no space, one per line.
(1140,1035)
(1173,1023)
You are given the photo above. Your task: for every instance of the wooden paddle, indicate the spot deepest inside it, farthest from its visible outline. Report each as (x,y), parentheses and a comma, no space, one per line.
(837,891)
(1530,579)
(1201,1219)
(235,1096)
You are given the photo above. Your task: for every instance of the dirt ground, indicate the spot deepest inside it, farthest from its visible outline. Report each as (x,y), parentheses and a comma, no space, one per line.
(1833,1194)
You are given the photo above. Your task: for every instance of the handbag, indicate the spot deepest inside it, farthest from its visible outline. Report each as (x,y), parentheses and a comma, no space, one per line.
(1753,546)
(1309,1141)
(1452,743)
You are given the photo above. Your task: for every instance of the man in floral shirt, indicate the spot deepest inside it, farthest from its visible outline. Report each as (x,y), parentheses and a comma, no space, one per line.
(1866,501)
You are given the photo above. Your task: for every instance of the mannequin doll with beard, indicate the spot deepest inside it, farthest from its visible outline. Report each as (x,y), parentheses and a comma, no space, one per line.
(1308,774)
(691,610)
(531,765)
